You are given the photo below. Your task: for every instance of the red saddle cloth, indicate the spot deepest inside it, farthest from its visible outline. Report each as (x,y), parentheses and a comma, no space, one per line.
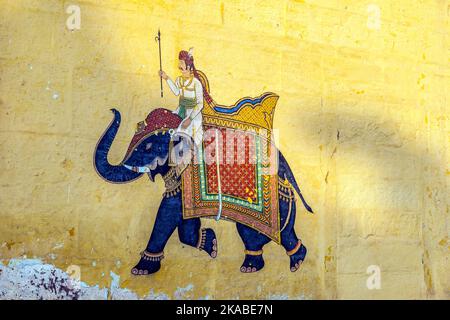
(238,165)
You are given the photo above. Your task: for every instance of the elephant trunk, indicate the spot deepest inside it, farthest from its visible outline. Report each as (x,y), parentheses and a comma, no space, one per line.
(111,173)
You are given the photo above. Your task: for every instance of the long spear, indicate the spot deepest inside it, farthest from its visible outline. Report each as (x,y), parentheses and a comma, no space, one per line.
(158,39)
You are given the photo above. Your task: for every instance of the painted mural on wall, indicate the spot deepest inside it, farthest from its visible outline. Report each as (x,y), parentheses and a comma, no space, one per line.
(217,162)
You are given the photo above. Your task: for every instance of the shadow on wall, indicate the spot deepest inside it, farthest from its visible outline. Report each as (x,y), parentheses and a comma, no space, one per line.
(368,150)
(389,192)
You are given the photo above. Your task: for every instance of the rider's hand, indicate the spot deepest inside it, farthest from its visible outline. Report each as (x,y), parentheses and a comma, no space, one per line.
(186,123)
(163,75)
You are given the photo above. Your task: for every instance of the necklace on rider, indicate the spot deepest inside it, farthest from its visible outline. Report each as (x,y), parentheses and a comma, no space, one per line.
(190,78)
(185,86)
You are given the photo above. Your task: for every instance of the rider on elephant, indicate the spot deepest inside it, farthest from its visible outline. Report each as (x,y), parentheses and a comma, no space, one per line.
(191,92)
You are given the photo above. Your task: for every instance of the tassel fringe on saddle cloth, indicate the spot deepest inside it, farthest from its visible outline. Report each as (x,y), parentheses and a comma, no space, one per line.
(234,174)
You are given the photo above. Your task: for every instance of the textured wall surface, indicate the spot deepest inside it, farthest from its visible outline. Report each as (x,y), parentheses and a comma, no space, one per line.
(362,119)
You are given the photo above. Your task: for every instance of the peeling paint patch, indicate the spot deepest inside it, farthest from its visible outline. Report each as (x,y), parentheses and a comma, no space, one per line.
(118,293)
(32,279)
(183,293)
(58,246)
(52,256)
(278,297)
(286,297)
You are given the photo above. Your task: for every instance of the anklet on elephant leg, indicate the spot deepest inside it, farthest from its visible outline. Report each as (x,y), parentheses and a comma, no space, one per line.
(201,239)
(253,253)
(152,256)
(294,251)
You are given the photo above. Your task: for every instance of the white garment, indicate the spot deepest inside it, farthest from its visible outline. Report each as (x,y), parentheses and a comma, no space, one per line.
(191,90)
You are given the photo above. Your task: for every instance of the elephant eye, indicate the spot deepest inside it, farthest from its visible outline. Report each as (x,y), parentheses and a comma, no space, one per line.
(148,146)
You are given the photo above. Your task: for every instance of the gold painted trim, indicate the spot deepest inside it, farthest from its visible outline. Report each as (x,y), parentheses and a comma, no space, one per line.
(254,253)
(293,251)
(152,255)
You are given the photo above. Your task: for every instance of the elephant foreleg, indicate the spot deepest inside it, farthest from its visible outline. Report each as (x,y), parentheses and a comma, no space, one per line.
(167,219)
(190,233)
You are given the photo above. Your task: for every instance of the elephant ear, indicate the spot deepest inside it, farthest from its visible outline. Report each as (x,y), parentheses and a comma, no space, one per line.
(181,151)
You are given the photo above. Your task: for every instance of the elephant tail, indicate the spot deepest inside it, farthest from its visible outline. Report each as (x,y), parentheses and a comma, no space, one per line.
(286,172)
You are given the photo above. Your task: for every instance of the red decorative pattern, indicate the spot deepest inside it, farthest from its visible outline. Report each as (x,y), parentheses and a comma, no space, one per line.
(158,119)
(237,165)
(237,180)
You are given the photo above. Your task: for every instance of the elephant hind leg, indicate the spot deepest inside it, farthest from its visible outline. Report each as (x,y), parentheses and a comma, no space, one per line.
(190,234)
(291,243)
(254,243)
(297,257)
(294,249)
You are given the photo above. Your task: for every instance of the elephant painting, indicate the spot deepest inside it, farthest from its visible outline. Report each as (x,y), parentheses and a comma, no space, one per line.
(150,154)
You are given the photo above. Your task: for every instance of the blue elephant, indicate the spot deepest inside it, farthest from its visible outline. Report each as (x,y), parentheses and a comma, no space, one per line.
(150,155)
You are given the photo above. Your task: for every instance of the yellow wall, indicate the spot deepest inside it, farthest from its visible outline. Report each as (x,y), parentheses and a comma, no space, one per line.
(362,118)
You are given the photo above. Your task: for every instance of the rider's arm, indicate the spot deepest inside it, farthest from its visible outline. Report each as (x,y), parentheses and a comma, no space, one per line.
(174,86)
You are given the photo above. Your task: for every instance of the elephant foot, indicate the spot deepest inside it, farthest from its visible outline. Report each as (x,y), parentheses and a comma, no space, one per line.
(297,256)
(253,261)
(149,263)
(208,242)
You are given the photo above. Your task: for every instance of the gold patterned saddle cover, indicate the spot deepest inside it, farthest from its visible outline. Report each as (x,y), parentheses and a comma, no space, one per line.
(244,187)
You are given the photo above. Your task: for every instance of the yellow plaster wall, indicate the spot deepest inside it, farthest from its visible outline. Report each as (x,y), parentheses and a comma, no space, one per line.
(362,118)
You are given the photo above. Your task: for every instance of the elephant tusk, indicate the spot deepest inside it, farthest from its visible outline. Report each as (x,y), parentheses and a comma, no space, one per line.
(137,169)
(148,168)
